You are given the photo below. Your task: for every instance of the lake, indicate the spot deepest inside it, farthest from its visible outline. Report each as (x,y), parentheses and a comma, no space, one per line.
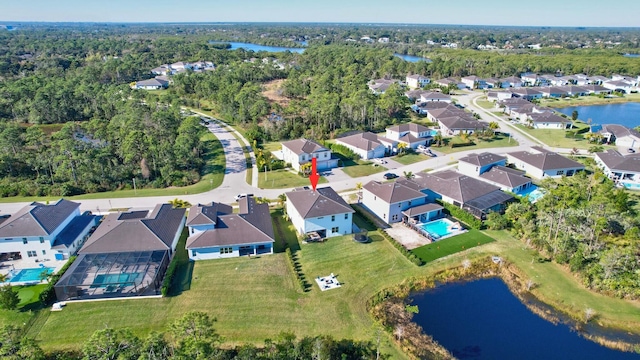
(256,47)
(482,319)
(632,55)
(627,114)
(411,58)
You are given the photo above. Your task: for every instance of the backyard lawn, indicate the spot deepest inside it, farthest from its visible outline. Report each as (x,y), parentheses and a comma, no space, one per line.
(451,245)
(556,137)
(363,168)
(500,140)
(283,179)
(408,159)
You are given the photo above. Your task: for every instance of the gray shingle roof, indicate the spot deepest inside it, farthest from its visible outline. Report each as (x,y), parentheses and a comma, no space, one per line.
(303,146)
(207,214)
(456,186)
(617,162)
(393,192)
(365,141)
(505,176)
(250,226)
(71,232)
(547,117)
(37,219)
(422,209)
(152,82)
(545,160)
(483,159)
(123,234)
(462,123)
(619,130)
(322,202)
(413,127)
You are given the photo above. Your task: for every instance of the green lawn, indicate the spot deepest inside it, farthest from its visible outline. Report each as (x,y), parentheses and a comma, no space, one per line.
(283,179)
(451,245)
(363,168)
(485,104)
(556,137)
(589,100)
(212,178)
(497,141)
(408,159)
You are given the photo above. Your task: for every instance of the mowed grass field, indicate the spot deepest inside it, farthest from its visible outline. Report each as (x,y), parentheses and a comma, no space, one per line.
(445,247)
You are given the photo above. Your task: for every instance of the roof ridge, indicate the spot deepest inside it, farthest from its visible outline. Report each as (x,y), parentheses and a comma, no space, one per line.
(35,218)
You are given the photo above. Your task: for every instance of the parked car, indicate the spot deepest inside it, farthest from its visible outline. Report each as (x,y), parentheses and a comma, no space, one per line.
(240,196)
(630,151)
(389,176)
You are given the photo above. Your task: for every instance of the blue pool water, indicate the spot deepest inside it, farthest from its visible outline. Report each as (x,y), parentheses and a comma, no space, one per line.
(438,228)
(412,58)
(433,132)
(631,186)
(256,47)
(32,274)
(532,193)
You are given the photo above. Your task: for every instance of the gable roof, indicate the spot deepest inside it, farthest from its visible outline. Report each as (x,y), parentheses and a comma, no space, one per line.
(119,232)
(251,225)
(422,209)
(152,82)
(483,159)
(71,232)
(452,184)
(618,162)
(434,95)
(618,130)
(207,214)
(322,202)
(303,146)
(545,160)
(505,176)
(37,219)
(393,192)
(448,111)
(365,141)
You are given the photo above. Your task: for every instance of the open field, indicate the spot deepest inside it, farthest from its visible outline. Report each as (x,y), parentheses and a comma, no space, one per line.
(442,248)
(283,179)
(589,100)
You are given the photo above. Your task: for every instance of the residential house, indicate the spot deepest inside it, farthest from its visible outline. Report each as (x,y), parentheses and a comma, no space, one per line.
(473,195)
(493,83)
(301,151)
(448,81)
(497,96)
(529,79)
(434,96)
(390,201)
(476,164)
(457,125)
(414,95)
(552,91)
(474,82)
(618,167)
(424,107)
(512,81)
(417,81)
(152,84)
(127,255)
(526,93)
(619,135)
(507,179)
(618,85)
(163,70)
(573,90)
(216,232)
(596,89)
(365,144)
(547,120)
(379,86)
(540,163)
(321,212)
(598,80)
(411,134)
(45,231)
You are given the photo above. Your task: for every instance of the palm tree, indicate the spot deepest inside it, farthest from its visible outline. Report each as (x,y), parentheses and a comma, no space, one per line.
(282,199)
(359,188)
(494,126)
(438,139)
(408,174)
(402,147)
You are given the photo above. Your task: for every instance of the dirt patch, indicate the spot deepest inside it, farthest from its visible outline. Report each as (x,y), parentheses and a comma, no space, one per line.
(272,90)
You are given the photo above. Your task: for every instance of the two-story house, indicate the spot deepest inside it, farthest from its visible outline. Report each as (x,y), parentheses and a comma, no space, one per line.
(301,151)
(322,213)
(417,81)
(390,201)
(411,134)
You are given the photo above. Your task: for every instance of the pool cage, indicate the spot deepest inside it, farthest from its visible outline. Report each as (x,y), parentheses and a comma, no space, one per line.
(108,275)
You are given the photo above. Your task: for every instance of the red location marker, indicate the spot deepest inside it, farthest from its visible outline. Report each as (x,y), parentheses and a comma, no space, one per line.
(314,177)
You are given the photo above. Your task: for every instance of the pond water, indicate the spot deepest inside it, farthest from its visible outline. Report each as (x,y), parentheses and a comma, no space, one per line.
(627,114)
(632,55)
(256,47)
(411,58)
(482,319)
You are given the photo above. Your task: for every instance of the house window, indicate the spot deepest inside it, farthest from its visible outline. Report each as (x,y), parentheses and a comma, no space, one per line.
(394,217)
(193,253)
(333,218)
(44,252)
(24,240)
(226,250)
(346,216)
(41,240)
(31,253)
(335,229)
(321,217)
(399,204)
(560,172)
(409,203)
(375,198)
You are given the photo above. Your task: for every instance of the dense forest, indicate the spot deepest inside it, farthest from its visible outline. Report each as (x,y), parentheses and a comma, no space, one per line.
(586,224)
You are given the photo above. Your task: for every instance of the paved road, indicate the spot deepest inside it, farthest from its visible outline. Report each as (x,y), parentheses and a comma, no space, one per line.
(235,173)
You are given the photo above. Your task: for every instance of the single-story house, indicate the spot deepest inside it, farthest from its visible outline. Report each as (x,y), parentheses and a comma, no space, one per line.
(417,81)
(552,91)
(322,212)
(425,107)
(507,179)
(619,135)
(127,255)
(618,85)
(448,81)
(526,93)
(457,125)
(301,151)
(512,81)
(596,89)
(443,112)
(573,90)
(215,232)
(365,144)
(497,96)
(434,96)
(619,167)
(152,84)
(493,83)
(540,163)
(548,120)
(476,164)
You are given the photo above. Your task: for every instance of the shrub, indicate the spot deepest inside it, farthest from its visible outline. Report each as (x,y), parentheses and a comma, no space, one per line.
(408,254)
(344,151)
(168,277)
(293,266)
(48,295)
(462,215)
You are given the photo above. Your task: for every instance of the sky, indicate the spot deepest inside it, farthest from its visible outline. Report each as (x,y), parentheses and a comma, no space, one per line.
(616,13)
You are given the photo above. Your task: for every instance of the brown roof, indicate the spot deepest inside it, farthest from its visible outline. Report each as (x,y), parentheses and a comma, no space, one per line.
(505,176)
(422,209)
(616,161)
(435,95)
(393,192)
(37,219)
(207,214)
(483,159)
(545,160)
(525,91)
(121,233)
(456,186)
(251,225)
(365,141)
(322,202)
(303,146)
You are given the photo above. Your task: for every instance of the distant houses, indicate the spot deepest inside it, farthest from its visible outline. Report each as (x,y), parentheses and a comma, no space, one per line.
(162,73)
(417,81)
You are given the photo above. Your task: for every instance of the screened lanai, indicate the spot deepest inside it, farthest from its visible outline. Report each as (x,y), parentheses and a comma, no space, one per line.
(120,274)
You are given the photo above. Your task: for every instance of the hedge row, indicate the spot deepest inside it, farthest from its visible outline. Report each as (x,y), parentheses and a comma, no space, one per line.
(294,266)
(344,151)
(168,276)
(48,295)
(403,250)
(462,215)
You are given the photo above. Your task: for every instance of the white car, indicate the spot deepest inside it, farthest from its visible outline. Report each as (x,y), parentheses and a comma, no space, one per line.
(241,196)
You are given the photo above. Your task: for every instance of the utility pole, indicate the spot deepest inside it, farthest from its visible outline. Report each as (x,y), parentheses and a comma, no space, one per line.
(135,191)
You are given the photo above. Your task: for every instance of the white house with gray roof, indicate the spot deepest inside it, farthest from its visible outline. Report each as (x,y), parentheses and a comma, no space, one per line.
(215,232)
(619,167)
(322,211)
(366,144)
(301,151)
(390,200)
(417,81)
(42,231)
(411,134)
(619,135)
(540,163)
(476,164)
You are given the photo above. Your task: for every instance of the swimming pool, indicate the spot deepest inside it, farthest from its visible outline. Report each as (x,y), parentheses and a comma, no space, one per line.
(630,186)
(110,279)
(433,132)
(28,275)
(532,193)
(438,228)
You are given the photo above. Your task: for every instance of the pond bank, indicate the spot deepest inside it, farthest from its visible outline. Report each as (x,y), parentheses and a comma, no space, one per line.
(589,100)
(390,308)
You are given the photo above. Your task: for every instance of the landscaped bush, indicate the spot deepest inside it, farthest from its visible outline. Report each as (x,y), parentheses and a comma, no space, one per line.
(344,151)
(293,266)
(168,276)
(48,295)
(462,215)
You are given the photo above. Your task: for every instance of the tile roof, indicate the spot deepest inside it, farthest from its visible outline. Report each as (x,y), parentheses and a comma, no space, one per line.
(119,233)
(322,202)
(303,146)
(250,226)
(394,192)
(618,162)
(207,214)
(483,159)
(545,160)
(37,219)
(365,141)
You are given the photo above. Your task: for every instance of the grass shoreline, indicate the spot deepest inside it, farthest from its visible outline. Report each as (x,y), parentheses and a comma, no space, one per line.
(590,100)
